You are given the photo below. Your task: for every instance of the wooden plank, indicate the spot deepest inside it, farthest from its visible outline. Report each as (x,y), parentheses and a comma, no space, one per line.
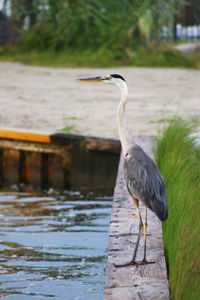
(32,169)
(102,145)
(1,167)
(30,146)
(10,167)
(134,282)
(90,143)
(24,135)
(93,170)
(67,160)
(58,171)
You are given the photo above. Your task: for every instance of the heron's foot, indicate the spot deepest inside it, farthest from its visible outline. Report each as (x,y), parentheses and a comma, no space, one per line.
(134,263)
(145,262)
(130,263)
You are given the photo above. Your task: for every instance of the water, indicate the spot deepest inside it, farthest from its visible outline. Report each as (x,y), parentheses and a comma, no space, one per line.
(53,247)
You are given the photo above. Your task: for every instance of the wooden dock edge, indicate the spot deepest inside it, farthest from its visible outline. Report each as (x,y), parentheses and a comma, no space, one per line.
(90,142)
(134,282)
(41,161)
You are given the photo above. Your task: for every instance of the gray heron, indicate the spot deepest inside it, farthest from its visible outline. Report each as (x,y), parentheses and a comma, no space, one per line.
(142,177)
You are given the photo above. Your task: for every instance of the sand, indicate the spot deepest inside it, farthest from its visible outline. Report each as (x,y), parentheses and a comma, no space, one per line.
(48,99)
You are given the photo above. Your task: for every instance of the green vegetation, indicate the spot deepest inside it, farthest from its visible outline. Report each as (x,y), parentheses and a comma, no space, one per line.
(68,128)
(95,33)
(71,118)
(179,161)
(115,25)
(143,57)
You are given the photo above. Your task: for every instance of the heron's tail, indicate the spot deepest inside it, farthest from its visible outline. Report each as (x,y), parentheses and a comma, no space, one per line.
(161,209)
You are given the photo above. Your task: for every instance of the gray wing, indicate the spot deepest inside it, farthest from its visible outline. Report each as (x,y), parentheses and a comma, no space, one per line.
(145,182)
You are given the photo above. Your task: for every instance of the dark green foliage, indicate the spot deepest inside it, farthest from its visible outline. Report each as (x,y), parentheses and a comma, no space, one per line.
(119,26)
(179,161)
(96,33)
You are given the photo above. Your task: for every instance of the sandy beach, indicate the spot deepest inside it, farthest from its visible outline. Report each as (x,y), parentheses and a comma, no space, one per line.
(48,99)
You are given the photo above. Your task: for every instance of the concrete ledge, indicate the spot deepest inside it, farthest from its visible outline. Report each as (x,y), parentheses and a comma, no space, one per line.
(134,282)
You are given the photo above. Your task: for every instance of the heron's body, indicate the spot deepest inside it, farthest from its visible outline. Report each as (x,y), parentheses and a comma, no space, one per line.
(142,177)
(145,183)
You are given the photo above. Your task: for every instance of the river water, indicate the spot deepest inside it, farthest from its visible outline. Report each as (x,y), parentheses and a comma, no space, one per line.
(53,246)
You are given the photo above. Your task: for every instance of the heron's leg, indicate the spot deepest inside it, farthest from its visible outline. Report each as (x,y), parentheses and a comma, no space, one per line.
(140,226)
(136,202)
(145,235)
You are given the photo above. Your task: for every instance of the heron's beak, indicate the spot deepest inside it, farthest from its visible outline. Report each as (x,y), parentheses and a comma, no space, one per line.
(94,79)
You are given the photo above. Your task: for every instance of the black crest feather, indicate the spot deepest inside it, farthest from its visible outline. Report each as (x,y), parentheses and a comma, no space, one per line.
(117,76)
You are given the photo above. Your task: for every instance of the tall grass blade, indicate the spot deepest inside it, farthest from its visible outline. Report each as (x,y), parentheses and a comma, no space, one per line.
(179,161)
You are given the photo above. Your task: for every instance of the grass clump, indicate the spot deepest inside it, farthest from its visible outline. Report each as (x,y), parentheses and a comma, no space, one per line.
(154,56)
(68,128)
(179,161)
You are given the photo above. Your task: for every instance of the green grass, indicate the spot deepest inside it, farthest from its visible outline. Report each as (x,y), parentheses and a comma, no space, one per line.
(71,118)
(179,162)
(63,59)
(68,128)
(162,56)
(163,120)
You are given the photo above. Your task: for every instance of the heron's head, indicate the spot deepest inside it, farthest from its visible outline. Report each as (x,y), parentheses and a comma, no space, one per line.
(115,79)
(110,78)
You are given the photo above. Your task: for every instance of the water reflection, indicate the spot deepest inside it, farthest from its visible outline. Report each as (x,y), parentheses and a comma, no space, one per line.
(52,246)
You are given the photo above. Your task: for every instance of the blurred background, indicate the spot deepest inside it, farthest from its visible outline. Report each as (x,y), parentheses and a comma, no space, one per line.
(126,32)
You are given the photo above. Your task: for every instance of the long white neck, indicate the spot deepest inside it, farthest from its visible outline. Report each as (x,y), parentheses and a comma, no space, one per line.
(121,116)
